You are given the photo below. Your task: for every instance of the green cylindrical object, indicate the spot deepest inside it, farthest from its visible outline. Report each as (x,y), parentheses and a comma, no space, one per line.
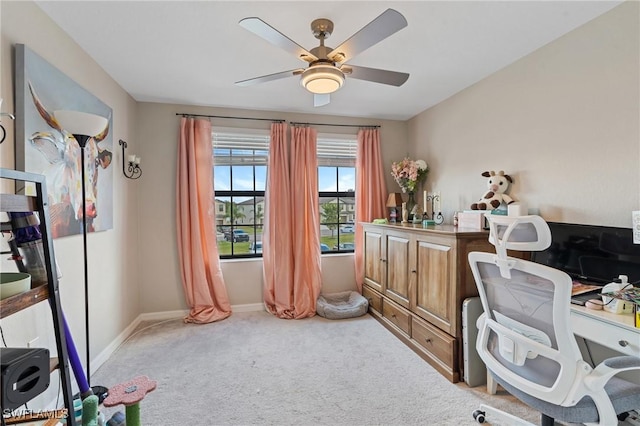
(132,415)
(90,411)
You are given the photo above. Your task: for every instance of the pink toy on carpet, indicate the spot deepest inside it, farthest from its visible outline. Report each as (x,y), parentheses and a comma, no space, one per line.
(130,394)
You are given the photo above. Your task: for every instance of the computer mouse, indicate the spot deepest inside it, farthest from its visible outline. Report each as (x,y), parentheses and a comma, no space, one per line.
(593,304)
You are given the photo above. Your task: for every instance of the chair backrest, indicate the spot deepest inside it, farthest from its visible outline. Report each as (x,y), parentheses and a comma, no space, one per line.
(525,336)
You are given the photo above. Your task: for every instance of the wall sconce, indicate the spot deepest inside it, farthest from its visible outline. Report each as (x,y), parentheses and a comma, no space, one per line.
(3,132)
(133,169)
(394,201)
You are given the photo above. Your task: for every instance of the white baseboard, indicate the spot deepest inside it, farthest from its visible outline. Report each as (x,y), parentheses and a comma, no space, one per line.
(249,307)
(165,315)
(98,361)
(111,348)
(156,316)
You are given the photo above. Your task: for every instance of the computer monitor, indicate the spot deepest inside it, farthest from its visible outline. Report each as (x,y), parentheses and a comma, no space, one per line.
(591,253)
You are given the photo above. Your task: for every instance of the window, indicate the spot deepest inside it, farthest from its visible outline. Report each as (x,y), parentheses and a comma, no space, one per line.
(240,175)
(336,190)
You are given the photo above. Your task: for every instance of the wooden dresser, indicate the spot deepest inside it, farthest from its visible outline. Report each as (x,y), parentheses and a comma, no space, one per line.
(416,280)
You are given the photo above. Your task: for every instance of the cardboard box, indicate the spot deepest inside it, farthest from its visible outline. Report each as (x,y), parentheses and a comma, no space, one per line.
(473,219)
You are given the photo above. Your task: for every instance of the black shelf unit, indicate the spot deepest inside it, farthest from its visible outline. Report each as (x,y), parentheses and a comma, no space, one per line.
(40,291)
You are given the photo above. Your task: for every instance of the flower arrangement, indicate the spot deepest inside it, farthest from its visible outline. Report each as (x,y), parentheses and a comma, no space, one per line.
(408,173)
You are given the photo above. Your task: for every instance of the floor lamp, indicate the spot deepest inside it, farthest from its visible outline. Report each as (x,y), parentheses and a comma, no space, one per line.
(83,127)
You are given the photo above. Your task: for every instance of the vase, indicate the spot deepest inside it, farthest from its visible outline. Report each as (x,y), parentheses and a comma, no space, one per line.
(411,203)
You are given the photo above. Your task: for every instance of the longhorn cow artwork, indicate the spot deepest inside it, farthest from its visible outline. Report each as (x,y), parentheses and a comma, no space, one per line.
(44,147)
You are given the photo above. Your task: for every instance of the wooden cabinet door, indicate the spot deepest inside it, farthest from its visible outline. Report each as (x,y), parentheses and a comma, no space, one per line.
(374,266)
(435,281)
(398,274)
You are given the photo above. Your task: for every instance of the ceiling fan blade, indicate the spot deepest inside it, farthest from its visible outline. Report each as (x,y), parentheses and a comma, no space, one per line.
(273,36)
(321,99)
(388,23)
(269,77)
(376,75)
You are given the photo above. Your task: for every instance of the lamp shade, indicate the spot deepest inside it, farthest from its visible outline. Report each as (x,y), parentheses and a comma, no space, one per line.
(394,200)
(322,79)
(81,123)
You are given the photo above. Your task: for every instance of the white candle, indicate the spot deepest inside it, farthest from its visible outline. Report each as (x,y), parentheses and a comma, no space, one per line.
(424,202)
(137,161)
(132,158)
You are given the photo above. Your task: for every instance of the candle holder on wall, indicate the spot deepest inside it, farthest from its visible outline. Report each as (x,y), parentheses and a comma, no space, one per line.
(3,132)
(133,170)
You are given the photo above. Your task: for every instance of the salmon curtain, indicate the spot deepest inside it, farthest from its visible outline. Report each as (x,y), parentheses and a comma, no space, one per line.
(291,236)
(277,252)
(371,191)
(202,279)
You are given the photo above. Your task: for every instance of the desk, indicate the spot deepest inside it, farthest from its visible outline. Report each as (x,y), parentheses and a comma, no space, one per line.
(614,331)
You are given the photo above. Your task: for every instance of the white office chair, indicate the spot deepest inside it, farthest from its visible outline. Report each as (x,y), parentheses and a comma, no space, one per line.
(525,336)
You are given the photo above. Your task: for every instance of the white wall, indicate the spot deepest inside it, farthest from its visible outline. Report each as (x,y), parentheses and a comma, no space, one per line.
(113,255)
(563,121)
(158,128)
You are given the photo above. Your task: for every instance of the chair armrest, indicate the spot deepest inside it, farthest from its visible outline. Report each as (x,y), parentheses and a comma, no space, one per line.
(625,361)
(609,368)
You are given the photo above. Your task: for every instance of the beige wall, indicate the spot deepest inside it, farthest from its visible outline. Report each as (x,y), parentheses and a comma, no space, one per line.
(113,255)
(158,134)
(563,121)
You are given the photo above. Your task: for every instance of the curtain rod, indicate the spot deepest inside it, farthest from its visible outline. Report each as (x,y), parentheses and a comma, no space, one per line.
(295,123)
(233,118)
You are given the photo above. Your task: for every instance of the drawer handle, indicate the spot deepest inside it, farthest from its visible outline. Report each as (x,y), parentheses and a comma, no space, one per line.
(393,315)
(414,271)
(623,343)
(428,340)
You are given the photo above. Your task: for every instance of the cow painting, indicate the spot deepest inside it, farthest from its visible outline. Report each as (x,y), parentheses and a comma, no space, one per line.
(64,175)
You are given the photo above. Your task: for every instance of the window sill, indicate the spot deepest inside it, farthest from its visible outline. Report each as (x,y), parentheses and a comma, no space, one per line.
(255,259)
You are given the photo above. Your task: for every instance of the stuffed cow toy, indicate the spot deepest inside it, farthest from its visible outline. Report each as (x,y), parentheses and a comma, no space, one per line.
(497,184)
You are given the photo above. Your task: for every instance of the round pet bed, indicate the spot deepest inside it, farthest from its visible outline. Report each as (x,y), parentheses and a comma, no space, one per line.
(346,304)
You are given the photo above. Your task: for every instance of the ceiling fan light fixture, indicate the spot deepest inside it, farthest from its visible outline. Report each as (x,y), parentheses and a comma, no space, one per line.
(322,79)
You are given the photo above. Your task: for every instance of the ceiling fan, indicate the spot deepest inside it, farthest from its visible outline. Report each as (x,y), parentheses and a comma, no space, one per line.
(327,70)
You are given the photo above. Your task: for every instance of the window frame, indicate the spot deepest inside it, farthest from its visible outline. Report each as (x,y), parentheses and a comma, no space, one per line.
(345,158)
(226,196)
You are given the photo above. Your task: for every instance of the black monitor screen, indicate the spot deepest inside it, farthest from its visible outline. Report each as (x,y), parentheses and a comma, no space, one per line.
(592,253)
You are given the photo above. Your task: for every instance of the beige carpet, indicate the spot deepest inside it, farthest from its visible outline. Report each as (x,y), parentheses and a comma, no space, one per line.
(255,369)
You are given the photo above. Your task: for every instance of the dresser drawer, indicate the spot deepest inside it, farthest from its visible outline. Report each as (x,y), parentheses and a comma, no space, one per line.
(374,298)
(397,315)
(438,343)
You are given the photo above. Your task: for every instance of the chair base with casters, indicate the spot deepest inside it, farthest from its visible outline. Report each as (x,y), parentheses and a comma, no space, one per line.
(525,337)
(485,412)
(623,394)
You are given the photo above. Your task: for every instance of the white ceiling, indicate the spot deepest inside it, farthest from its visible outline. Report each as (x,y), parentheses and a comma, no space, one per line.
(192,52)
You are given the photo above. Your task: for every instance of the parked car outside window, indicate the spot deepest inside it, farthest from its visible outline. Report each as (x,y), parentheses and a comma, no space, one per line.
(347,229)
(237,236)
(324,247)
(256,247)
